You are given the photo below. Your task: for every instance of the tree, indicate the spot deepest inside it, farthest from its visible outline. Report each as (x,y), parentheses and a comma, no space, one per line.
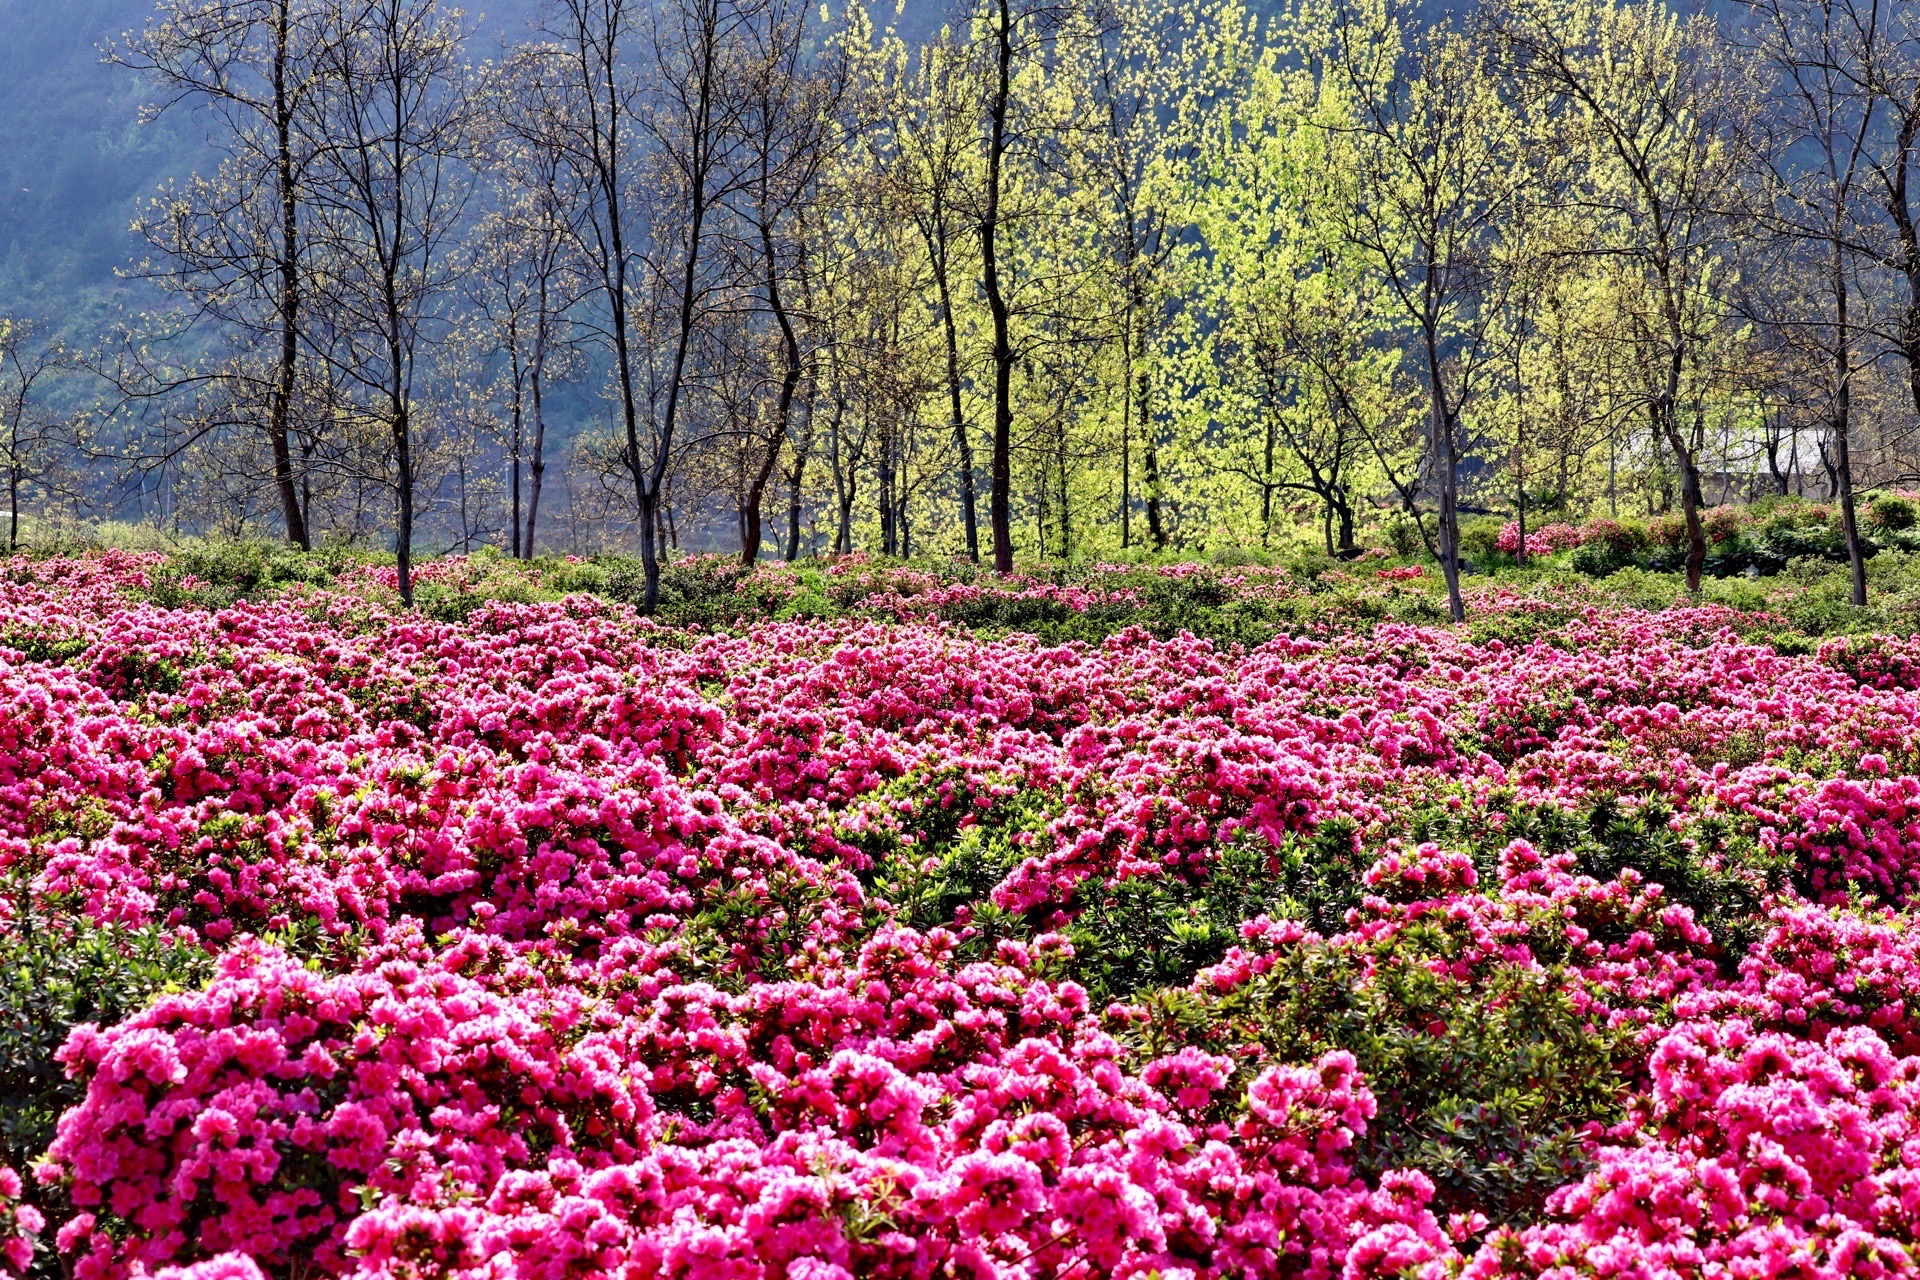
(1289,316)
(1015,41)
(391,193)
(1875,71)
(1430,170)
(28,365)
(1825,123)
(1159,62)
(931,132)
(231,243)
(1653,105)
(642,101)
(787,118)
(526,272)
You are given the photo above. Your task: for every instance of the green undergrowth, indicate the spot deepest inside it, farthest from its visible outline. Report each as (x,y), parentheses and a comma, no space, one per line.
(58,971)
(1807,601)
(1489,1079)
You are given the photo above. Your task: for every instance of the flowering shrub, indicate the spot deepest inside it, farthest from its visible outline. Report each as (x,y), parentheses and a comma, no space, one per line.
(1758,1153)
(56,972)
(1723,524)
(1543,541)
(1619,540)
(1892,512)
(1669,531)
(536,939)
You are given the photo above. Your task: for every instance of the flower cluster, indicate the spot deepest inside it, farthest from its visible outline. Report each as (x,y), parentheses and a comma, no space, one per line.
(20,1224)
(1543,541)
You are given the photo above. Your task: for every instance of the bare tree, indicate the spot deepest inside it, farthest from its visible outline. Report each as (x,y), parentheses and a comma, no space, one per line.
(1826,122)
(1307,354)
(929,138)
(232,243)
(527,273)
(786,119)
(642,102)
(394,181)
(29,364)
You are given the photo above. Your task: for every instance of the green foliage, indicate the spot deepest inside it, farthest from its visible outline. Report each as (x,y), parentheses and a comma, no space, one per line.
(1722,525)
(1610,546)
(1827,613)
(1761,539)
(212,575)
(56,972)
(1543,619)
(1891,513)
(1134,936)
(695,591)
(1403,535)
(1598,560)
(1722,877)
(1487,1084)
(1668,531)
(1480,537)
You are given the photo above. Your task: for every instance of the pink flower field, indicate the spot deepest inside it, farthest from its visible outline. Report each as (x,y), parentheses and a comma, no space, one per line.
(558,943)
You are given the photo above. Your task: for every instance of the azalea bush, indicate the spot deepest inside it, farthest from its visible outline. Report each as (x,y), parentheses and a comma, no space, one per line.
(837,924)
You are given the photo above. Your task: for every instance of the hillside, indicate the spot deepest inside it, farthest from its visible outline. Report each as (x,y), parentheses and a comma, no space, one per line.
(75,161)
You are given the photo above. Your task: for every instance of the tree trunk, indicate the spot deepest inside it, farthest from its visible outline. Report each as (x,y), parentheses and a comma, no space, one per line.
(515,447)
(1849,518)
(403,533)
(1690,500)
(1910,341)
(1126,457)
(537,466)
(1908,236)
(1266,477)
(688,303)
(1066,508)
(845,482)
(794,478)
(756,494)
(783,412)
(280,406)
(1443,447)
(889,538)
(969,499)
(1000,502)
(1666,411)
(1782,481)
(1842,413)
(1520,460)
(1150,462)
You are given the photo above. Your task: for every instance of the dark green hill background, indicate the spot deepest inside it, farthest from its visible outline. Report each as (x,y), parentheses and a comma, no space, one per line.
(73,157)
